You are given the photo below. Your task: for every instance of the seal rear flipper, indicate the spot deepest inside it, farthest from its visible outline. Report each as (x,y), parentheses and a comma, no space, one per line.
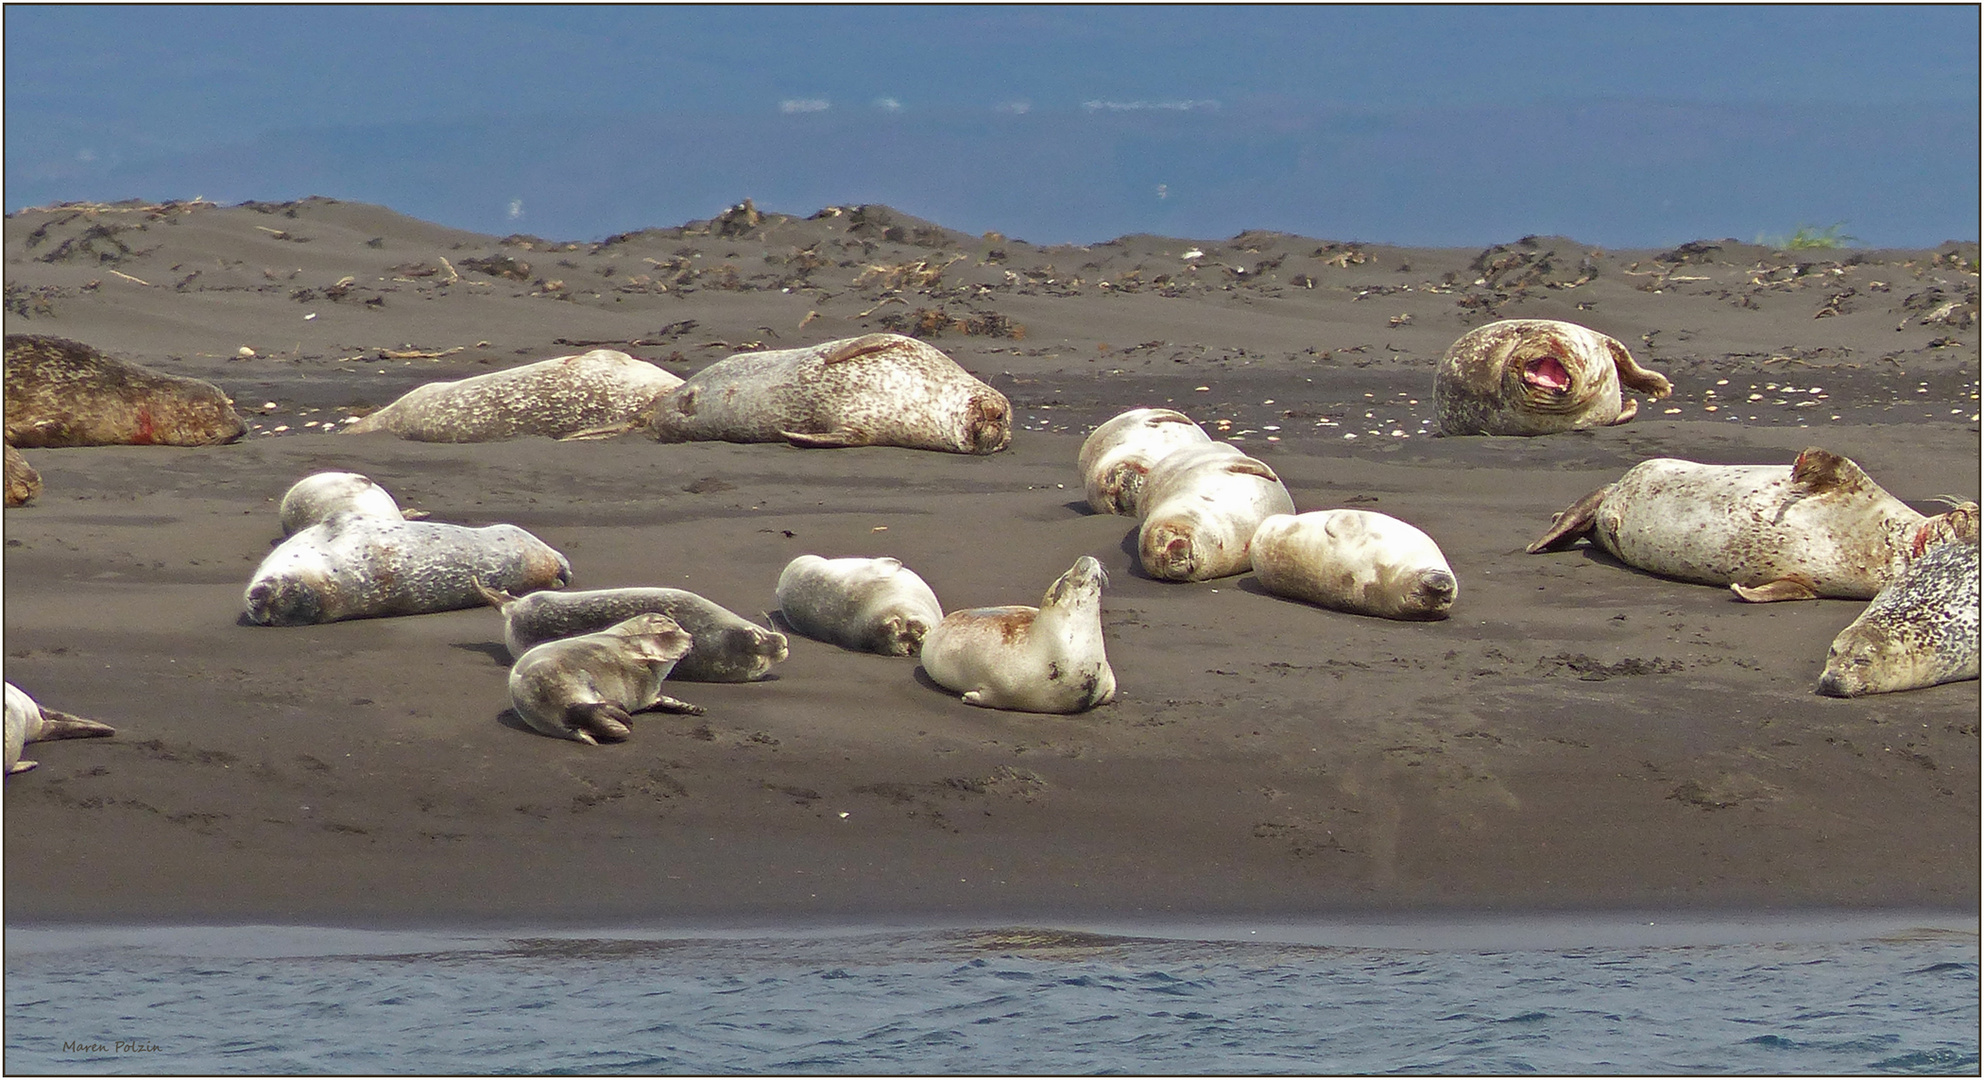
(22,766)
(1572,525)
(664,703)
(61,725)
(1635,377)
(1784,588)
(598,721)
(822,439)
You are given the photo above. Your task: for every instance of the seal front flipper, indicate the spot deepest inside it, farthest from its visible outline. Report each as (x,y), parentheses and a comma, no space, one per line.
(823,439)
(597,722)
(1635,377)
(1572,525)
(1627,410)
(674,705)
(1784,588)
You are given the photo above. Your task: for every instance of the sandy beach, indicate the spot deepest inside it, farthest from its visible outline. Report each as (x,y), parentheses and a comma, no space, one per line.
(1577,736)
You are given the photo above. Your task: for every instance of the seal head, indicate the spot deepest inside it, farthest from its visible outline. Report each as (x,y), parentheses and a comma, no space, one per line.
(1921,630)
(1537,377)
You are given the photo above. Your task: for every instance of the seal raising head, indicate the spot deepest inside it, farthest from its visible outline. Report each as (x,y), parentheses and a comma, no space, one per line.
(1537,377)
(1048,659)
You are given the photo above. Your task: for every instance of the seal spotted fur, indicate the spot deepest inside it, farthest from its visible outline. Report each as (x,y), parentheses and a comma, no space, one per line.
(585,688)
(352,567)
(726,646)
(1821,527)
(23,482)
(1920,630)
(877,390)
(1537,377)
(65,393)
(601,390)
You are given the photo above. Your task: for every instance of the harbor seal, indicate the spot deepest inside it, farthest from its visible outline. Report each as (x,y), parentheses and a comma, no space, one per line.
(601,390)
(585,688)
(1354,560)
(871,605)
(1537,377)
(317,496)
(1116,457)
(23,483)
(1047,659)
(1200,506)
(28,722)
(877,390)
(354,567)
(725,646)
(1821,527)
(1920,630)
(65,393)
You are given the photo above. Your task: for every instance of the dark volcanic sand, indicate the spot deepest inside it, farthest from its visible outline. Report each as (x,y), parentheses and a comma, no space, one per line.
(1577,736)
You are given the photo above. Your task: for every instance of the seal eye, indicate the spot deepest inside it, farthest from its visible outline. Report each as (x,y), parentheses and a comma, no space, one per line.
(1547,372)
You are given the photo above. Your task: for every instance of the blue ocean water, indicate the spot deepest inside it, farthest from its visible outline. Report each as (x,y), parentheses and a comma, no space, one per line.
(1840,997)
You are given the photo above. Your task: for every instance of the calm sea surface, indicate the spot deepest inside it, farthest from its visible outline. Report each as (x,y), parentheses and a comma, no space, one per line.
(1852,994)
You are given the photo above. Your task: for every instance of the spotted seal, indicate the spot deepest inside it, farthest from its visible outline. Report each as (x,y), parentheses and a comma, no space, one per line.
(1116,457)
(584,688)
(599,391)
(1359,561)
(1820,527)
(319,495)
(28,722)
(871,605)
(350,566)
(1200,506)
(726,646)
(877,390)
(1920,630)
(23,482)
(1048,659)
(1537,377)
(65,393)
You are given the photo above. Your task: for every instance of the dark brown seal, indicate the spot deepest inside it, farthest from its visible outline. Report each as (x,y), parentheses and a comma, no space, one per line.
(65,393)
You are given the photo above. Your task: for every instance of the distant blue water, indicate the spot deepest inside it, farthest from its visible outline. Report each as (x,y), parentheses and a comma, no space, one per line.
(1694,1000)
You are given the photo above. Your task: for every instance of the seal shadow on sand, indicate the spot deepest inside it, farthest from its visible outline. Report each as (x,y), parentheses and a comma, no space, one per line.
(494,650)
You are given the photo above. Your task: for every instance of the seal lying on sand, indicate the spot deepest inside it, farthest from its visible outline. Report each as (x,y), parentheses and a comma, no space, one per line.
(560,397)
(872,605)
(1821,527)
(1047,659)
(28,722)
(1354,560)
(1921,630)
(1200,506)
(64,393)
(23,483)
(1537,377)
(317,496)
(878,390)
(726,647)
(585,688)
(353,567)
(1117,456)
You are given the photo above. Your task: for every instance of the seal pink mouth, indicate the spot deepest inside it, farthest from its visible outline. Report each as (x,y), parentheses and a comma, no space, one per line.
(1547,372)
